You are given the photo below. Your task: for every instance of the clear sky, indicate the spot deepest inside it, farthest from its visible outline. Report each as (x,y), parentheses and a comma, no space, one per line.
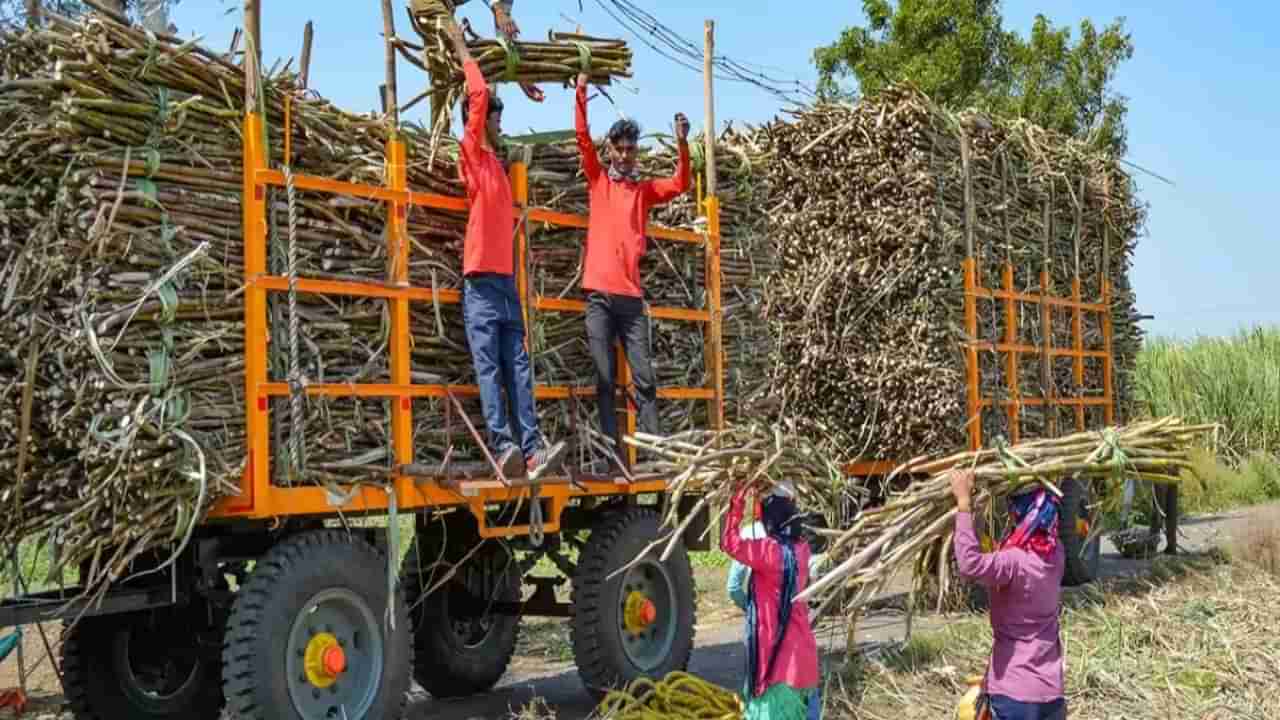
(1204,111)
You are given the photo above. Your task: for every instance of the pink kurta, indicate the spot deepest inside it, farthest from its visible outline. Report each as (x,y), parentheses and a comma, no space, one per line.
(797,661)
(1026,592)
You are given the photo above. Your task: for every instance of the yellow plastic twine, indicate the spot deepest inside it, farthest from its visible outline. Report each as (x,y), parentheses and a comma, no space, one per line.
(678,696)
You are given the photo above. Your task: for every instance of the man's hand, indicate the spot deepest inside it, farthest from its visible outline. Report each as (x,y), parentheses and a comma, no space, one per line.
(503,22)
(583,79)
(454,33)
(962,489)
(533,92)
(682,128)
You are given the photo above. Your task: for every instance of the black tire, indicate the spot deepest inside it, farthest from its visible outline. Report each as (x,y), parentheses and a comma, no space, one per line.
(1082,559)
(148,665)
(291,582)
(597,623)
(462,647)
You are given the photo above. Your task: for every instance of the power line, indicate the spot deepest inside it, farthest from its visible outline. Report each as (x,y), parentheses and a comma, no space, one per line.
(652,32)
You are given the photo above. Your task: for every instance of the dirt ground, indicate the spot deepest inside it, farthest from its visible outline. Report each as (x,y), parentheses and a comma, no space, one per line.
(544,667)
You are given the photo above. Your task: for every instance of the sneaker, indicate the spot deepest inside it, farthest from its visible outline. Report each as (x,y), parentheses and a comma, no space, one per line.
(511,461)
(545,460)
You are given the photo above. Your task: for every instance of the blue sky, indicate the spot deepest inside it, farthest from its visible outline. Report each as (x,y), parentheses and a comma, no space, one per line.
(1204,112)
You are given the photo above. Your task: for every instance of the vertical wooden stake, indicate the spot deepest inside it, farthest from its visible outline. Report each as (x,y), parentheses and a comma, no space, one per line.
(971,352)
(304,76)
(708,79)
(713,347)
(1012,357)
(1048,390)
(253,55)
(389,33)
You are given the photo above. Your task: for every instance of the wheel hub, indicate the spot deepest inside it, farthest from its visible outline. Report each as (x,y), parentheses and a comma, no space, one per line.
(334,657)
(648,612)
(324,660)
(640,612)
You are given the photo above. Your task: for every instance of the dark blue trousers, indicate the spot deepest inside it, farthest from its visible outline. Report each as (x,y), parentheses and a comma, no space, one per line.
(1005,708)
(495,334)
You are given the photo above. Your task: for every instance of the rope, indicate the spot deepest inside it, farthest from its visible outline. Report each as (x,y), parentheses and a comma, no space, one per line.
(296,382)
(513,58)
(584,56)
(393,554)
(678,696)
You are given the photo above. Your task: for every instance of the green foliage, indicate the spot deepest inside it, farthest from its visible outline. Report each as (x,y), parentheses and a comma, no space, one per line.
(958,52)
(1217,487)
(1234,381)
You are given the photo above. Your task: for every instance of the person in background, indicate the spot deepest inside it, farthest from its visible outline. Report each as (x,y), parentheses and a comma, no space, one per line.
(490,305)
(782,679)
(616,240)
(1025,678)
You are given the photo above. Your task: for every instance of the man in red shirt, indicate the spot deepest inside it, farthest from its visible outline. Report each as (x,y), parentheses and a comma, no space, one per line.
(490,303)
(616,240)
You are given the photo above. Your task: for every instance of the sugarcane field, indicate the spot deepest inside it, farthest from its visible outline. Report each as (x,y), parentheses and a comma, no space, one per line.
(617,360)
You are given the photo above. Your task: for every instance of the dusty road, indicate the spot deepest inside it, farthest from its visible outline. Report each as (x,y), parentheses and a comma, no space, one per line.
(543,669)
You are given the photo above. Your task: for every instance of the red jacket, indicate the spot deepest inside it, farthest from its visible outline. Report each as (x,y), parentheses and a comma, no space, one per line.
(619,213)
(797,662)
(492,221)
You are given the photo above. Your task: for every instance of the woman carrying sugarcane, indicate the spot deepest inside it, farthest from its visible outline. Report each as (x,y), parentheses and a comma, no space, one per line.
(1023,577)
(782,654)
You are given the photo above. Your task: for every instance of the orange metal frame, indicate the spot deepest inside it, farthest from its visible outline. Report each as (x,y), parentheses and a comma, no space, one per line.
(1012,350)
(260,499)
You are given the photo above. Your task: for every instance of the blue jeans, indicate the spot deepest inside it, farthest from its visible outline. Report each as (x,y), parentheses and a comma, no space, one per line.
(495,334)
(1006,708)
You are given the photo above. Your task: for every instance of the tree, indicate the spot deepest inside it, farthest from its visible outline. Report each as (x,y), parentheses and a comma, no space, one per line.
(958,52)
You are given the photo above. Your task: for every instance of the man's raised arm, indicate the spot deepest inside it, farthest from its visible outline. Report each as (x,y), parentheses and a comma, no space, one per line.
(586,148)
(668,189)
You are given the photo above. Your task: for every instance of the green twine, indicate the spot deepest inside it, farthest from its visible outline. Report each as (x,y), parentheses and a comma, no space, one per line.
(513,58)
(584,56)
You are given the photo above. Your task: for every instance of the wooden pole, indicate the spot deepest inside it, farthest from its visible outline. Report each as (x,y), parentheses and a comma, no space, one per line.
(389,31)
(308,34)
(709,50)
(253,52)
(713,346)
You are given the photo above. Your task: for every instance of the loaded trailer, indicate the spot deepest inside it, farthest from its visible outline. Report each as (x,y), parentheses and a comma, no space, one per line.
(282,601)
(293,601)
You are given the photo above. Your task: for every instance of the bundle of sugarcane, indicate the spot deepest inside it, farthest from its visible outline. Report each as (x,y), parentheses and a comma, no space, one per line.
(872,208)
(560,59)
(914,525)
(869,545)
(712,465)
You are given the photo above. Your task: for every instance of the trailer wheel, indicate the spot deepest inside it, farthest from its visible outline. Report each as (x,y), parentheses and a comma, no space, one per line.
(308,637)
(1082,557)
(639,623)
(148,665)
(463,647)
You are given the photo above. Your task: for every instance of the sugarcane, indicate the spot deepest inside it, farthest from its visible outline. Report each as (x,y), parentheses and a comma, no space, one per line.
(869,543)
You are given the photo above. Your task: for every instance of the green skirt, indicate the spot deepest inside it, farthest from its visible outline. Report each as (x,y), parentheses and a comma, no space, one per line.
(780,702)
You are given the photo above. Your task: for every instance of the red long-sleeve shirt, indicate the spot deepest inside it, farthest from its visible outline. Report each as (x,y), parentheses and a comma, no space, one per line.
(619,213)
(491,222)
(797,661)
